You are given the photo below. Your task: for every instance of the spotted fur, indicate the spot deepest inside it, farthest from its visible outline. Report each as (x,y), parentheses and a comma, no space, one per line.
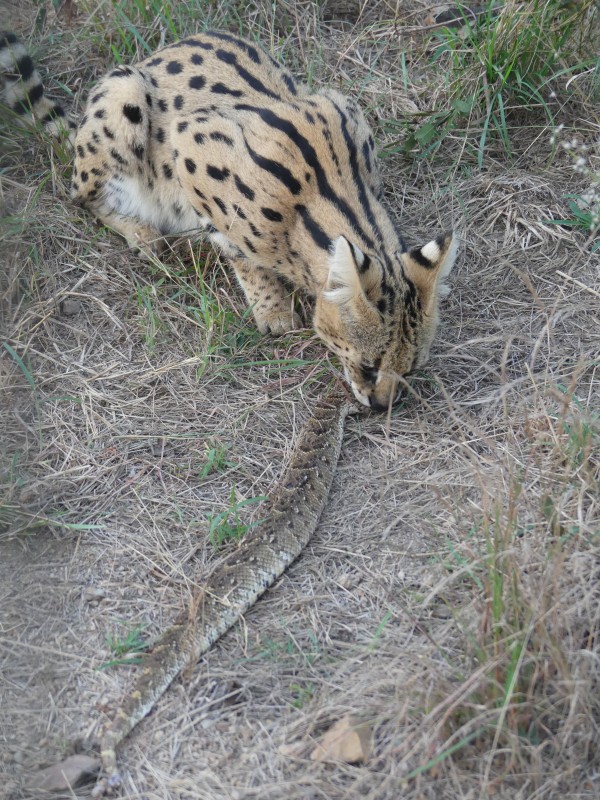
(212,136)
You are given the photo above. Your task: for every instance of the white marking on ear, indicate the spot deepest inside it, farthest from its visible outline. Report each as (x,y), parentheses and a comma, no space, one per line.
(431,251)
(440,255)
(342,281)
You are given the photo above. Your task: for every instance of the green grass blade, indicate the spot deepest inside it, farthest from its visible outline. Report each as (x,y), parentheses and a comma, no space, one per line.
(19,361)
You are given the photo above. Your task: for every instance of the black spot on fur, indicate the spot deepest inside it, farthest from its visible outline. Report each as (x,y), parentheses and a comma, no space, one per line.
(117,156)
(221,205)
(174,67)
(9,38)
(162,104)
(160,136)
(249,245)
(167,171)
(148,100)
(178,102)
(197,82)
(91,149)
(33,96)
(24,67)
(244,188)
(196,59)
(182,126)
(216,173)
(271,214)
(199,138)
(199,193)
(108,133)
(97,97)
(155,62)
(100,113)
(216,136)
(154,82)
(80,151)
(133,113)
(138,151)
(190,165)
(84,176)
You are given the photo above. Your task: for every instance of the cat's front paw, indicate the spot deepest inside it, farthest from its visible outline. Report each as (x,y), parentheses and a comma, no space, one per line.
(147,242)
(277,322)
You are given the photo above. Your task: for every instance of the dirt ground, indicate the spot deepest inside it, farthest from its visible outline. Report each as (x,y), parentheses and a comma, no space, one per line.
(120,391)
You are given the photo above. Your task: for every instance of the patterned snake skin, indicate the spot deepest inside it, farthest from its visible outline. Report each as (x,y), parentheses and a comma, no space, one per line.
(294,508)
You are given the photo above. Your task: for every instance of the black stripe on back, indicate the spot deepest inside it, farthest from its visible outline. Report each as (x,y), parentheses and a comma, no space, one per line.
(353,161)
(320,238)
(276,169)
(364,199)
(230,58)
(311,158)
(289,82)
(191,42)
(250,51)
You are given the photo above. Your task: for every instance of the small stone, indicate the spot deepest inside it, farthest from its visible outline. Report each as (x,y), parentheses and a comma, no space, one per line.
(93,594)
(69,307)
(346,581)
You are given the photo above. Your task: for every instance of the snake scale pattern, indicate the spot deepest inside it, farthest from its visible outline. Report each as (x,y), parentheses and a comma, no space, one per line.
(293,512)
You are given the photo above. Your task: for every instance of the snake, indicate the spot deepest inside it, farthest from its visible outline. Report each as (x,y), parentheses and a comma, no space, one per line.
(294,507)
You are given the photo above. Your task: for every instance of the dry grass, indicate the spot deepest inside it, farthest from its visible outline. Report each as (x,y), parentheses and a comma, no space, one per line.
(450,595)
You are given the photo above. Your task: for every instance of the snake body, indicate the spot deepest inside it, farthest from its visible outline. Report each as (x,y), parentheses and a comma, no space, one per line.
(294,508)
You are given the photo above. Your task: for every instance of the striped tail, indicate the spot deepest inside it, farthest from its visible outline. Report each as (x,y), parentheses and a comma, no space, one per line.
(21,89)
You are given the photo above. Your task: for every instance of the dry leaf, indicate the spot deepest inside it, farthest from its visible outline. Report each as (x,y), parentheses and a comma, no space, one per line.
(347,740)
(65,775)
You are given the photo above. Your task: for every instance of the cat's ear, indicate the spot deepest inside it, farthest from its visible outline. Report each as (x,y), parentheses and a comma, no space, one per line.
(429,266)
(351,273)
